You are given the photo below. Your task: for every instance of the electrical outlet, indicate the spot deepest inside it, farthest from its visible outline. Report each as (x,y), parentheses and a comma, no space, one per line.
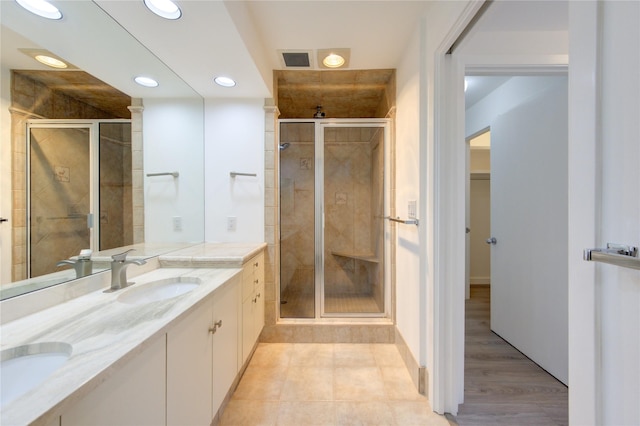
(232,223)
(412,209)
(177,224)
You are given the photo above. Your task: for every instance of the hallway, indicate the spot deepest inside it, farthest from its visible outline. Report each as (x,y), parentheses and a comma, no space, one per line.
(502,386)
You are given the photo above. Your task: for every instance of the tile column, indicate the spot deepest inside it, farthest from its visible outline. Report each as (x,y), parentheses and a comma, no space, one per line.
(271,222)
(137,170)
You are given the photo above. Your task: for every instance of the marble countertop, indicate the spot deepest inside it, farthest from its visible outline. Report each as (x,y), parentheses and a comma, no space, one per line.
(212,255)
(104,334)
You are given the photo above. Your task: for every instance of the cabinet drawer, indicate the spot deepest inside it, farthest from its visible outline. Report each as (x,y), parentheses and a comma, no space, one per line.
(248,281)
(258,268)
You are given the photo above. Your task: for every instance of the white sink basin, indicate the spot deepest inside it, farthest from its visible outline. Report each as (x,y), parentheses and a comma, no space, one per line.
(159,290)
(23,368)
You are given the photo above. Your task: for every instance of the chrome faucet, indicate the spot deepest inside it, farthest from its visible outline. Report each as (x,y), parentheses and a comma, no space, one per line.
(119,270)
(83,265)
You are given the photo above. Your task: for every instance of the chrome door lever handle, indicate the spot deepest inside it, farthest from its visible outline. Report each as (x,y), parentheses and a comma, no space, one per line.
(492,240)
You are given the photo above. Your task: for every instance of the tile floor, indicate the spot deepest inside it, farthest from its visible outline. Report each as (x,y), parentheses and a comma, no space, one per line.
(327,384)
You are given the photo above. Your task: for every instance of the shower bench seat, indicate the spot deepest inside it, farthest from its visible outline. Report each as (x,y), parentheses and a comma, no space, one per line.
(367,257)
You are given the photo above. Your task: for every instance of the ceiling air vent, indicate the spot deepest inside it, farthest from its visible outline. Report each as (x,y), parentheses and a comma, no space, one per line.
(295,59)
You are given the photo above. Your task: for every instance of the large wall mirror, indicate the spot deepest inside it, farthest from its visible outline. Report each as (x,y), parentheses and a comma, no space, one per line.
(88,158)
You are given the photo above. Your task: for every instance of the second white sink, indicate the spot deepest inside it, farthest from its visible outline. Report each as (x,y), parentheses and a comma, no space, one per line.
(159,290)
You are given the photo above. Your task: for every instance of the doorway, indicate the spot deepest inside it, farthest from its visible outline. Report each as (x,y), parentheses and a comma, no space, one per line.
(333,204)
(78,189)
(521,333)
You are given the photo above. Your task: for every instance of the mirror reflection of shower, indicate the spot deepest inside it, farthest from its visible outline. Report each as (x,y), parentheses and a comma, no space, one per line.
(67,211)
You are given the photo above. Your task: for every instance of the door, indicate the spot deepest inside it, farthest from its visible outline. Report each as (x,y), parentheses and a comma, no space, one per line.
(333,204)
(605,197)
(352,211)
(529,223)
(59,194)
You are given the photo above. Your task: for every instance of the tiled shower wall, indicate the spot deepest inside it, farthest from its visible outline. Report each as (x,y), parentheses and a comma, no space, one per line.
(297,209)
(116,210)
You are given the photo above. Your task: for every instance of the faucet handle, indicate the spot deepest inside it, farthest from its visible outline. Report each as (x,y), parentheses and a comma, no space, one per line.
(122,256)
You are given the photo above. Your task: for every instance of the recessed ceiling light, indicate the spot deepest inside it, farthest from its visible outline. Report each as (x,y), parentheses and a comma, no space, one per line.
(50,62)
(47,58)
(41,8)
(146,81)
(224,81)
(333,60)
(164,8)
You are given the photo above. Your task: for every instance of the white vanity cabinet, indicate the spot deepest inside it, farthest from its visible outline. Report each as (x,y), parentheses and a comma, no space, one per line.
(252,303)
(202,357)
(134,395)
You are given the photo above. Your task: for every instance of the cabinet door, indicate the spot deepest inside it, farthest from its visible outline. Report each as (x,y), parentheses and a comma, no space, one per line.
(189,375)
(247,328)
(258,314)
(226,307)
(134,395)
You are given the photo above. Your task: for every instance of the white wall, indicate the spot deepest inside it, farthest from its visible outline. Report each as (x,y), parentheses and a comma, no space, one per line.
(173,132)
(504,98)
(234,141)
(415,171)
(408,120)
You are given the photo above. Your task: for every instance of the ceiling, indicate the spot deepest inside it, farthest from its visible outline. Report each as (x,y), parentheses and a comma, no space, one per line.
(241,39)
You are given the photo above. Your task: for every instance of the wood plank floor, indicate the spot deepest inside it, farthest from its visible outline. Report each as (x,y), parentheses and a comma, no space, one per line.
(502,386)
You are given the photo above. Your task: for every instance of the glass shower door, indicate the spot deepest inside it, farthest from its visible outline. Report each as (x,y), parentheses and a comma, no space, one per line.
(297,218)
(59,198)
(353,228)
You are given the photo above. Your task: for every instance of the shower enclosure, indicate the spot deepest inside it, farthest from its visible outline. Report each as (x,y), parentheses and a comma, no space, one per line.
(78,189)
(333,202)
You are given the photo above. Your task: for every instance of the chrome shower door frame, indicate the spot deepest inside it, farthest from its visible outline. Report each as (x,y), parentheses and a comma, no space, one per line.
(93,126)
(320,127)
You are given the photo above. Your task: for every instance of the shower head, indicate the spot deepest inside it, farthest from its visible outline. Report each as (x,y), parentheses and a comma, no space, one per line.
(284,146)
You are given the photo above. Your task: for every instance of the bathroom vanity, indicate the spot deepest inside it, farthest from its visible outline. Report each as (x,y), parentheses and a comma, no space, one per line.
(167,350)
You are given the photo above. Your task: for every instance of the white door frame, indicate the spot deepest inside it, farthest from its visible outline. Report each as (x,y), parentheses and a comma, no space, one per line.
(447,382)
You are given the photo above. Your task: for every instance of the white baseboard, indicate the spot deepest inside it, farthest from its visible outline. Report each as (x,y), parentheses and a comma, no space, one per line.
(479,280)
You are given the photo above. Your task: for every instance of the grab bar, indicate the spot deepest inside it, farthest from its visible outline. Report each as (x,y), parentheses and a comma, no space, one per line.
(614,254)
(234,174)
(405,221)
(174,174)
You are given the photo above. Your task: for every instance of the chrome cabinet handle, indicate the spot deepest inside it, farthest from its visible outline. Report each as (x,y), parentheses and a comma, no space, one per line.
(492,240)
